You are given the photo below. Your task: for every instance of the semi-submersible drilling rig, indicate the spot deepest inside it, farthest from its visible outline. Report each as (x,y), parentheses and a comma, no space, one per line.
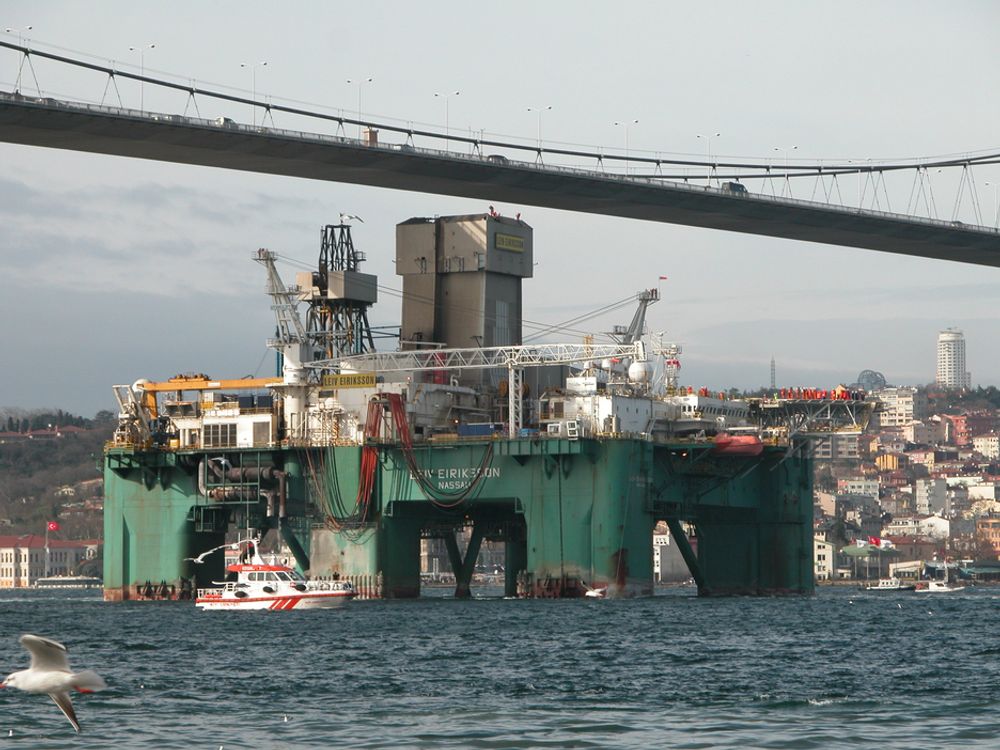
(567,454)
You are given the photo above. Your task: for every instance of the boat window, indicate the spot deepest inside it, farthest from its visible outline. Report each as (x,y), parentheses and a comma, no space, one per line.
(252,576)
(272,577)
(284,576)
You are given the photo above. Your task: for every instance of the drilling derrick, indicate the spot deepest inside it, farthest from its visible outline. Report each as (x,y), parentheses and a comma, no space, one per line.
(339,297)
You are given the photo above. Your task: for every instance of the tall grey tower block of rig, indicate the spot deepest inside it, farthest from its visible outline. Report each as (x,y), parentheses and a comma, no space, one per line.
(462,283)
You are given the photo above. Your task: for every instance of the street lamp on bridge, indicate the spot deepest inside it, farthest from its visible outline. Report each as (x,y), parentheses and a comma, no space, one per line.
(253,87)
(20,43)
(996,203)
(708,140)
(626,124)
(360,83)
(446,98)
(784,150)
(539,111)
(141,49)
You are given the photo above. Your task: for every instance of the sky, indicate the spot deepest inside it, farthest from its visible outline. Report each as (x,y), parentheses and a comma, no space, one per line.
(116,269)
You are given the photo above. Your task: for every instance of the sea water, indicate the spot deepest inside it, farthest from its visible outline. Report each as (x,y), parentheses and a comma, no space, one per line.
(841,669)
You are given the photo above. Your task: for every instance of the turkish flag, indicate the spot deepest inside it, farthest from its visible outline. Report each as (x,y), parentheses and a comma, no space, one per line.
(53,526)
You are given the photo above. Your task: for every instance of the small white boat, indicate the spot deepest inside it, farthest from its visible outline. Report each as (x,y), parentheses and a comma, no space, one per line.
(888,584)
(937,587)
(261,585)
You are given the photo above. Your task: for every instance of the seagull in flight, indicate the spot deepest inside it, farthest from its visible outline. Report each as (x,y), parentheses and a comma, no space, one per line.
(345,218)
(49,673)
(201,558)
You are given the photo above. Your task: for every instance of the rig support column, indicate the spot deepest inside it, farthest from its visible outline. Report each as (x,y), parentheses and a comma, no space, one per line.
(464,568)
(686,552)
(515,558)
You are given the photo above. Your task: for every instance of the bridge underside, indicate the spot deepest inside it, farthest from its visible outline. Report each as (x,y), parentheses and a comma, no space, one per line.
(51,124)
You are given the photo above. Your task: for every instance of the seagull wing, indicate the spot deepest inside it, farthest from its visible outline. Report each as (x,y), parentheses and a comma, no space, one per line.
(46,655)
(66,706)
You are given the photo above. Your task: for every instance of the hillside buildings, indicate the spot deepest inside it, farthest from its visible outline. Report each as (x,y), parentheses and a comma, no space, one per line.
(923,491)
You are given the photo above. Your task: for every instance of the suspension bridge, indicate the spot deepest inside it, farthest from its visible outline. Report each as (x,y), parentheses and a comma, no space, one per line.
(732,195)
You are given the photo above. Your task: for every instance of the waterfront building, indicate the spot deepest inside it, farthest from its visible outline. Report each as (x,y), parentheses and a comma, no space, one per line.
(951,372)
(988,531)
(823,558)
(26,558)
(913,548)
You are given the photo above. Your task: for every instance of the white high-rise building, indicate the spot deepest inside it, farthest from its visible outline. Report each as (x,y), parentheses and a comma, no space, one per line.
(951,372)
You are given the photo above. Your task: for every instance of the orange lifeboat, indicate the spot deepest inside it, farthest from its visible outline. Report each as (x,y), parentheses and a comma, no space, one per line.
(737,445)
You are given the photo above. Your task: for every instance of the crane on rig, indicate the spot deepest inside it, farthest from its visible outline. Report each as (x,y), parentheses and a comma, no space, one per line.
(291,340)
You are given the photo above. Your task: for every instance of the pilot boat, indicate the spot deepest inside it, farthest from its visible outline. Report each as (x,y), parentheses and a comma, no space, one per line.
(261,585)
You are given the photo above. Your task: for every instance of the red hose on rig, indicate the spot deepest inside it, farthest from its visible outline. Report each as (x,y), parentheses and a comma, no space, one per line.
(369,459)
(440,498)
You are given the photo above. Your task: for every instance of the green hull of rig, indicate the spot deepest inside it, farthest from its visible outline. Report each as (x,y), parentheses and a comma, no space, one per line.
(572,514)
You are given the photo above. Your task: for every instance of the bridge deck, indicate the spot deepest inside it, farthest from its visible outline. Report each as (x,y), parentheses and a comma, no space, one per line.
(56,124)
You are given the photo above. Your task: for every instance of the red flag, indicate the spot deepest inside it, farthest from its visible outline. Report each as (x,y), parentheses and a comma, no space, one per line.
(53,526)
(663,278)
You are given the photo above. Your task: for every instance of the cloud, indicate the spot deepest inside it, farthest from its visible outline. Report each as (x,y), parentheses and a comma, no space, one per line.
(153,238)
